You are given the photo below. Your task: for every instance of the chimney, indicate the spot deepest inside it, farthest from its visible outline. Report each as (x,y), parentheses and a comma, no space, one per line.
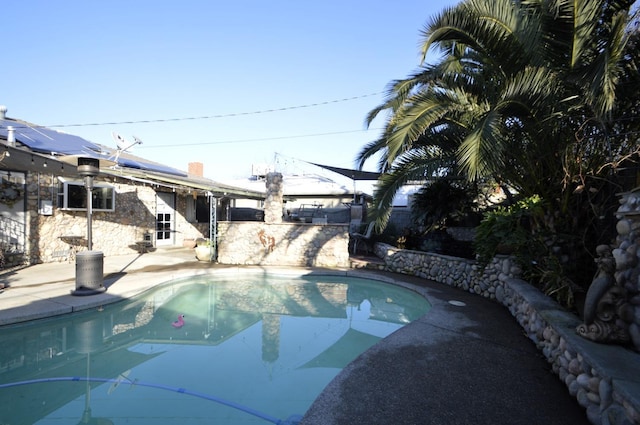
(3,112)
(11,136)
(196,169)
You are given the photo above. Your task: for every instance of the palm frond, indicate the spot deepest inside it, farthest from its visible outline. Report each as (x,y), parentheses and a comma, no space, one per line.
(415,165)
(585,16)
(482,151)
(396,94)
(370,150)
(505,36)
(607,68)
(424,110)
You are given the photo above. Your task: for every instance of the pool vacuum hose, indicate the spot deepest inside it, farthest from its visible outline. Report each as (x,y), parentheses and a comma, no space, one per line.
(291,420)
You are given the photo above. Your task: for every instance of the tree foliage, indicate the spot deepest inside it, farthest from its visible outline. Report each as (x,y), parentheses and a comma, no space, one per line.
(540,96)
(442,203)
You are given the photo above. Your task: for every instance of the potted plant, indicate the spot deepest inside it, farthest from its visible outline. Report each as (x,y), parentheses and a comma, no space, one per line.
(203,249)
(189,242)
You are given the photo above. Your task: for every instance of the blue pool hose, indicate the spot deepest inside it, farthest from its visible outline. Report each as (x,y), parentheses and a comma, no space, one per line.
(292,420)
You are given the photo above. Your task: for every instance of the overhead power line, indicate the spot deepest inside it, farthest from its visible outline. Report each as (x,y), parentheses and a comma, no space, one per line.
(261,139)
(208,117)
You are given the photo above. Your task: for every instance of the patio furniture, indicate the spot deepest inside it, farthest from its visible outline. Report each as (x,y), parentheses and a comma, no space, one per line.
(365,238)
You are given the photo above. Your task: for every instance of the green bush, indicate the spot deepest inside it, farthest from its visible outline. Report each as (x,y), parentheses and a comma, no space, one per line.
(508,230)
(203,242)
(442,203)
(523,231)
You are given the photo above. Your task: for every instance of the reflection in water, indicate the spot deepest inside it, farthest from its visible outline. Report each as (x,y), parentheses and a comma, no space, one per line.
(269,345)
(89,340)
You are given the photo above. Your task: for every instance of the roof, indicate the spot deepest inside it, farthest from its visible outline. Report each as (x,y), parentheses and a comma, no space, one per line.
(39,148)
(55,143)
(45,140)
(297,185)
(187,183)
(302,186)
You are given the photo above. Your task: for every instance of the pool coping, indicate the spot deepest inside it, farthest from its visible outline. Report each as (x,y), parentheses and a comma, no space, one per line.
(29,301)
(45,290)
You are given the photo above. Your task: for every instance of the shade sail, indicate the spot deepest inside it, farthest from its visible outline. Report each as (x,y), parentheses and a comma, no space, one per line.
(352,174)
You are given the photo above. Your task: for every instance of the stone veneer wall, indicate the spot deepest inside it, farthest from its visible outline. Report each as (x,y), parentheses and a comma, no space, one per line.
(596,374)
(282,244)
(113,233)
(285,244)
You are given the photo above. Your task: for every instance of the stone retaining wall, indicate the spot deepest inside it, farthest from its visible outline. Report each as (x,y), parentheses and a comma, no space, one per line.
(603,378)
(283,244)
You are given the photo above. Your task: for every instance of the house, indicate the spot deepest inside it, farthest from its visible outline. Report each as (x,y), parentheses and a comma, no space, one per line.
(136,203)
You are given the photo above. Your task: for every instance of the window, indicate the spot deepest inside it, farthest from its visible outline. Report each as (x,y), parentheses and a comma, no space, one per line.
(72,195)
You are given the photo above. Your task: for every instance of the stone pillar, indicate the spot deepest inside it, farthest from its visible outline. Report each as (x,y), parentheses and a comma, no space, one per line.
(270,337)
(273,204)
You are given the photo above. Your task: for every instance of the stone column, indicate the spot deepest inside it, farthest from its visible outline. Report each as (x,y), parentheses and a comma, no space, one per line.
(273,204)
(270,337)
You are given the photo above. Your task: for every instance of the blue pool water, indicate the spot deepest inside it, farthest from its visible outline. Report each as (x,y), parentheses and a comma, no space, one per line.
(252,350)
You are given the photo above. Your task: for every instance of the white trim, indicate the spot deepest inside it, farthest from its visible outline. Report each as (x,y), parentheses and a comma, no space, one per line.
(63,197)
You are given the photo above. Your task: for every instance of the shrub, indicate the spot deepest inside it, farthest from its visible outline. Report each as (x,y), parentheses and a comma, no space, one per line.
(508,230)
(203,242)
(443,202)
(523,230)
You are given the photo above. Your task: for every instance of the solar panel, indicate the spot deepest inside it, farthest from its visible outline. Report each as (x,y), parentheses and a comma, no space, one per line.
(146,166)
(47,141)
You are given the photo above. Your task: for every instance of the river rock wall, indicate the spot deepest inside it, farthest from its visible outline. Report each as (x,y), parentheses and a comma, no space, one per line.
(603,378)
(627,257)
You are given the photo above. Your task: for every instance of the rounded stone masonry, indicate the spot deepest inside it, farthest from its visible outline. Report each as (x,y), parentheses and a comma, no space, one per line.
(611,313)
(606,388)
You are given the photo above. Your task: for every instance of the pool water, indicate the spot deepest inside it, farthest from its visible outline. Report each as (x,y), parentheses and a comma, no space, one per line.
(251,349)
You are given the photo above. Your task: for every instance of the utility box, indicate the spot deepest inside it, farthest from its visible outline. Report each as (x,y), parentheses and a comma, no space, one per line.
(46,208)
(89,273)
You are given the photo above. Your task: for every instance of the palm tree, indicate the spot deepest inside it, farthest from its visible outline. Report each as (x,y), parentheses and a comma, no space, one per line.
(522,94)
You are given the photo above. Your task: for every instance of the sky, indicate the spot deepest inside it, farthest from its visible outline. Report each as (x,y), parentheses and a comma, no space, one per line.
(226,83)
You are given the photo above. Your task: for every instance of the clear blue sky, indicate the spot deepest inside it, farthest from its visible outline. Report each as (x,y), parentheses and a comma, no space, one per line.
(94,62)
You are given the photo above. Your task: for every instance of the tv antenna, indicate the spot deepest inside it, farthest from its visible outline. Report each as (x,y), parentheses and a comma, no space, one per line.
(123,144)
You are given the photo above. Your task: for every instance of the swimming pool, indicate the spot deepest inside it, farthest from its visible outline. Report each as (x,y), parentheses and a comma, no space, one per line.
(250,349)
